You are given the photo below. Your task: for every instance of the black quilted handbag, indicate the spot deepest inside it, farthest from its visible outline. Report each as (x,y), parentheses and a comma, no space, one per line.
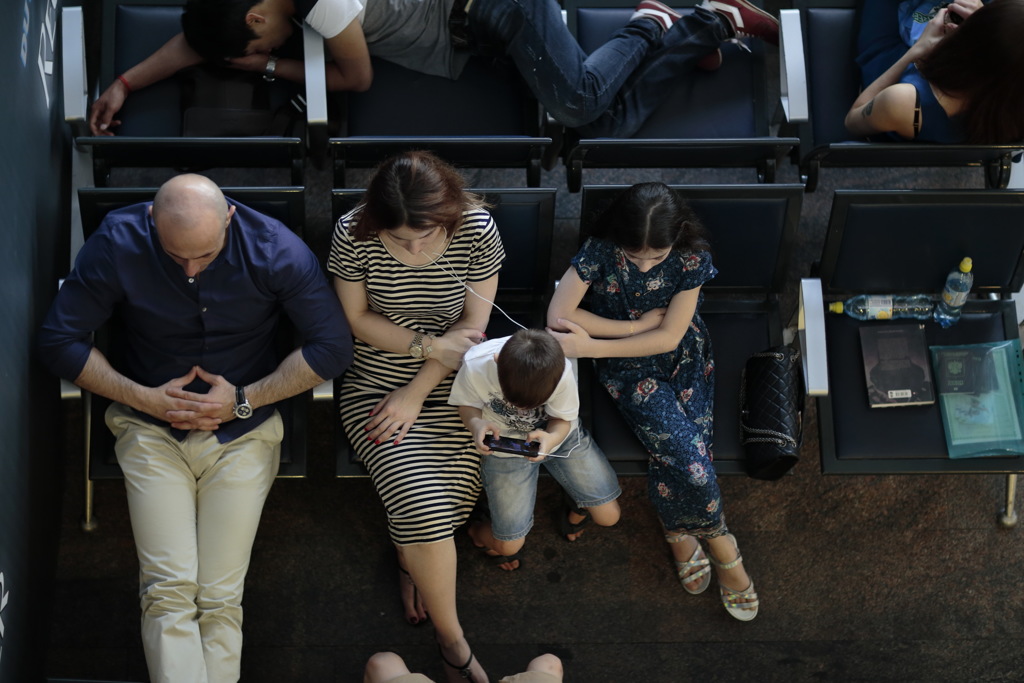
(771,411)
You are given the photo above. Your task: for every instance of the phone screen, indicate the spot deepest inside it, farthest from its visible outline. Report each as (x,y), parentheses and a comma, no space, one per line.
(507,444)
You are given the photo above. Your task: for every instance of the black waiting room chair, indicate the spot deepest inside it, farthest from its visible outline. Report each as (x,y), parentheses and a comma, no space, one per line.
(710,120)
(902,242)
(150,134)
(487,118)
(829,81)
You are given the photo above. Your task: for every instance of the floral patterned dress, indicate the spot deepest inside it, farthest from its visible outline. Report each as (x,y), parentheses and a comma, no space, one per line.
(666,398)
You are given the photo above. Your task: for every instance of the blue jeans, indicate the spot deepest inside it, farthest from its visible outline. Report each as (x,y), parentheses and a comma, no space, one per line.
(511,483)
(611,92)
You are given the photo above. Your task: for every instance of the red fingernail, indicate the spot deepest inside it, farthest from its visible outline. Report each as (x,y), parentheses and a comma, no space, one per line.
(377,442)
(369,438)
(366,429)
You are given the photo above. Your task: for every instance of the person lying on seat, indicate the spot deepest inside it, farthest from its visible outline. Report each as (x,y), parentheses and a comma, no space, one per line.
(610,92)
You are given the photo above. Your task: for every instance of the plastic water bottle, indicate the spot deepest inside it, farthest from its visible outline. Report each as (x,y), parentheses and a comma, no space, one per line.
(885,306)
(954,294)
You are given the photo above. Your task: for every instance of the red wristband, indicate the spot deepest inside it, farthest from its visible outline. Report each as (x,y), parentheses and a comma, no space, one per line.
(124,82)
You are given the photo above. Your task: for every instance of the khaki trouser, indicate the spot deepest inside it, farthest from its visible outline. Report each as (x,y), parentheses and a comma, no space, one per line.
(194,506)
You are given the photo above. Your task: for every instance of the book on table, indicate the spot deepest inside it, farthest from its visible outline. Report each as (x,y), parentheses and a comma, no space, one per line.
(896,365)
(981,398)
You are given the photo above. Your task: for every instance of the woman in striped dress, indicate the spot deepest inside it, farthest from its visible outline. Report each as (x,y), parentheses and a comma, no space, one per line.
(416,268)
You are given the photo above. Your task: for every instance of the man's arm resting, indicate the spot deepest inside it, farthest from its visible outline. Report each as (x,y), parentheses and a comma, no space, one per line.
(292,376)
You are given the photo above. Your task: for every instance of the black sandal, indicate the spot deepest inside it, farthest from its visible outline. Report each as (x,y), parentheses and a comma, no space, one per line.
(415,598)
(565,527)
(464,670)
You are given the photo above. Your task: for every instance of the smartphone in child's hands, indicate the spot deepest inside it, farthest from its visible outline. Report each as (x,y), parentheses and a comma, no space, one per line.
(506,444)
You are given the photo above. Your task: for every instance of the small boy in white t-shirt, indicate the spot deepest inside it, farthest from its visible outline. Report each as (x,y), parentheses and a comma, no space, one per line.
(523,387)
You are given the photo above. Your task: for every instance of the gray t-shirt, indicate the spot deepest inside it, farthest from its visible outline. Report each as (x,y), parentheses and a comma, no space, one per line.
(410,33)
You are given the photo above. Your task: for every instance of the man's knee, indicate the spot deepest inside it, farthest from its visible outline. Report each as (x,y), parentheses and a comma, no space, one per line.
(548,663)
(171,596)
(384,666)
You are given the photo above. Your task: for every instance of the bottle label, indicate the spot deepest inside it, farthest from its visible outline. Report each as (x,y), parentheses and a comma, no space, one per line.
(879,307)
(954,299)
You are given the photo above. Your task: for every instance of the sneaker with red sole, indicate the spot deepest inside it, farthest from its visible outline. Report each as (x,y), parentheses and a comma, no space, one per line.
(746,20)
(656,11)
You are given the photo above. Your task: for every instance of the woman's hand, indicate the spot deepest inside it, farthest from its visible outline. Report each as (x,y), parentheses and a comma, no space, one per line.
(394,415)
(934,31)
(574,342)
(963,8)
(449,348)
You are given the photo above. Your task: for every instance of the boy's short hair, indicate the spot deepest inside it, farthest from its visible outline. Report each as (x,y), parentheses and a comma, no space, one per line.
(216,29)
(530,365)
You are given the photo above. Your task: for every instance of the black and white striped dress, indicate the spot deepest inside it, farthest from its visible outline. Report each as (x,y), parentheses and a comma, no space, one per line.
(430,482)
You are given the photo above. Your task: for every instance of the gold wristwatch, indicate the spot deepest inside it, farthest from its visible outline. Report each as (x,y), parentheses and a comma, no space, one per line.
(416,347)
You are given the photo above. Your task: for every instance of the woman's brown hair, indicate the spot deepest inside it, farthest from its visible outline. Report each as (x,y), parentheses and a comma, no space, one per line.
(417,190)
(980,62)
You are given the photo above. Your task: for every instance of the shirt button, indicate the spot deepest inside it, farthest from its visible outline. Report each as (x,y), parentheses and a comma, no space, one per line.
(636,293)
(204,309)
(191,280)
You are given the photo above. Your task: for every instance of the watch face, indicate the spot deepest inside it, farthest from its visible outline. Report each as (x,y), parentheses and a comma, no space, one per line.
(243,411)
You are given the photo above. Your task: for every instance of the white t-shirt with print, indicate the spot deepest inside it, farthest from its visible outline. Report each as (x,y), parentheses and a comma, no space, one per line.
(476,385)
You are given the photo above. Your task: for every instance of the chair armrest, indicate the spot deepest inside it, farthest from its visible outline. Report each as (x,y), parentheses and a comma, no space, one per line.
(811,333)
(316,94)
(316,76)
(76,97)
(792,67)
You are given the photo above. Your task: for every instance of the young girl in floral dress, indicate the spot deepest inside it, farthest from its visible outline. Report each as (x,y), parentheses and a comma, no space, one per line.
(644,264)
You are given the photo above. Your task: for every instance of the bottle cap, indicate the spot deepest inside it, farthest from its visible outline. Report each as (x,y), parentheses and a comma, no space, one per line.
(836,307)
(965,265)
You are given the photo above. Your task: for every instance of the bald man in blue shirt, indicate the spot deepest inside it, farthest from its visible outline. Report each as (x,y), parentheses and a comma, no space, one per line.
(199,283)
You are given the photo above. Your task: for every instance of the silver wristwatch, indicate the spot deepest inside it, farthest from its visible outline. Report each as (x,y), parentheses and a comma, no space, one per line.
(270,69)
(243,410)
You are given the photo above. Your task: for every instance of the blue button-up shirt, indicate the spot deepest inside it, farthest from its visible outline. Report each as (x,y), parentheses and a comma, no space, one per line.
(223,319)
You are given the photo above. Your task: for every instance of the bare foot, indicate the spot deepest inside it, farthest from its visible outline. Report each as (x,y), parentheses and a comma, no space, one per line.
(575,519)
(412,601)
(479,533)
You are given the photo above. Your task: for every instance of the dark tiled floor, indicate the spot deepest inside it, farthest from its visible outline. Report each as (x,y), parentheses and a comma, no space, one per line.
(861,577)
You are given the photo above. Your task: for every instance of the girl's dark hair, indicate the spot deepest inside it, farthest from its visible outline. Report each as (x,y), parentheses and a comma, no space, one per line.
(980,62)
(414,189)
(651,216)
(216,29)
(530,364)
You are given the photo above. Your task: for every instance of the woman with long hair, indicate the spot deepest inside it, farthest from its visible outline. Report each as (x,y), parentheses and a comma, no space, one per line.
(958,83)
(416,268)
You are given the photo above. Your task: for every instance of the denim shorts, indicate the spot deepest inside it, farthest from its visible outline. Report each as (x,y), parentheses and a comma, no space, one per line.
(511,483)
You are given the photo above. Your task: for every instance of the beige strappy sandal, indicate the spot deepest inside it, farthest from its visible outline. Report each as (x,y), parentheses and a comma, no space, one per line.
(743,604)
(698,561)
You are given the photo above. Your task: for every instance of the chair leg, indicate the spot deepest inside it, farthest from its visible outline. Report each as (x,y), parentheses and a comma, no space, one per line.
(1009,517)
(88,521)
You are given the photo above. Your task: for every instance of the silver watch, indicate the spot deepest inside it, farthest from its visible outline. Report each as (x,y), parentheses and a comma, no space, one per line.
(270,69)
(243,410)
